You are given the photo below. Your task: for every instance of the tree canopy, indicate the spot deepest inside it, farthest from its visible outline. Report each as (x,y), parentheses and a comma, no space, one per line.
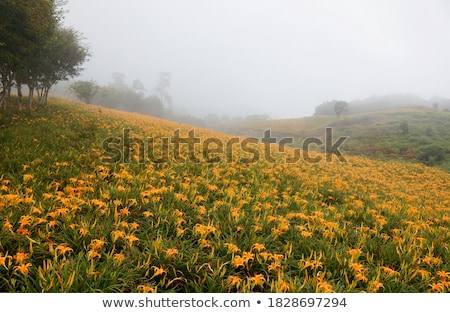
(83,90)
(340,107)
(35,49)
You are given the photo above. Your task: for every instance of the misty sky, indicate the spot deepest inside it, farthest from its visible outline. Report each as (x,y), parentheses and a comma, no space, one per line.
(277,57)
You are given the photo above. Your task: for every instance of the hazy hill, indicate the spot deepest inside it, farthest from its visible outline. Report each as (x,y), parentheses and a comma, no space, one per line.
(413,134)
(385,102)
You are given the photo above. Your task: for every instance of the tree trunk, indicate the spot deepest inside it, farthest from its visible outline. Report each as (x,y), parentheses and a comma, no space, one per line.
(39,94)
(3,99)
(45,95)
(8,93)
(30,95)
(3,84)
(19,94)
(5,93)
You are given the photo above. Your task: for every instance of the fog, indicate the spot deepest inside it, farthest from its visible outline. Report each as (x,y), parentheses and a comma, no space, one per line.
(281,58)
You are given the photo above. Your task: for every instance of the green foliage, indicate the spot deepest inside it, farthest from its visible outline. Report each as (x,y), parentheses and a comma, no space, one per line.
(325,108)
(83,90)
(378,103)
(131,99)
(404,127)
(340,107)
(61,58)
(36,49)
(400,134)
(127,99)
(433,154)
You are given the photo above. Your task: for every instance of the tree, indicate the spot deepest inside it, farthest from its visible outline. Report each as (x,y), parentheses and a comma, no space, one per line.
(154,106)
(118,80)
(138,85)
(24,28)
(435,106)
(110,97)
(161,92)
(60,59)
(122,97)
(35,49)
(325,108)
(83,90)
(340,107)
(432,154)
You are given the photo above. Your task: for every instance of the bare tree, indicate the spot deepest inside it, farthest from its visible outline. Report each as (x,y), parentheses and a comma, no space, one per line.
(161,88)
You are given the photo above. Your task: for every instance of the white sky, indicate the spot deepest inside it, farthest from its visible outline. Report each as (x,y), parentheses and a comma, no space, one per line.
(275,57)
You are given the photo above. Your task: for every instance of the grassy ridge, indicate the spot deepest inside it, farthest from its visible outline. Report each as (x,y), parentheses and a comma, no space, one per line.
(71,223)
(411,134)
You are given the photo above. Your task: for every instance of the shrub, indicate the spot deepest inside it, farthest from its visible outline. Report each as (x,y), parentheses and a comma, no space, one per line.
(432,154)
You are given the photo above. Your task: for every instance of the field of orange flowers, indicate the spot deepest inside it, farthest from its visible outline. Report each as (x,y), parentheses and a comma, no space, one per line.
(69,222)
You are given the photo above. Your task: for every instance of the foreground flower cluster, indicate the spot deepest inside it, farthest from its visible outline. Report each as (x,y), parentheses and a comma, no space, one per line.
(71,223)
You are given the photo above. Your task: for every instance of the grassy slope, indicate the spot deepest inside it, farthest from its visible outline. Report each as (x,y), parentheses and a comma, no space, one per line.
(69,222)
(374,134)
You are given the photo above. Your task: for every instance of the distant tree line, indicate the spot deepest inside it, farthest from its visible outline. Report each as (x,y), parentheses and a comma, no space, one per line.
(134,98)
(333,107)
(379,103)
(35,49)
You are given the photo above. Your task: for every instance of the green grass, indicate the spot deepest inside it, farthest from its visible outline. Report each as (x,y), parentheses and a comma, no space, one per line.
(375,134)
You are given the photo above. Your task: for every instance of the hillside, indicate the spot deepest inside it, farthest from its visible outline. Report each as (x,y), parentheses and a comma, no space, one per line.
(411,134)
(394,101)
(73,220)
